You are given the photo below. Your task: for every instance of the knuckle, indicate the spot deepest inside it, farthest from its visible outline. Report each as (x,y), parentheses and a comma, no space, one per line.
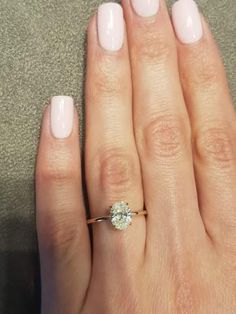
(184,296)
(60,232)
(57,168)
(152,46)
(108,76)
(165,137)
(206,73)
(117,171)
(215,145)
(130,302)
(183,276)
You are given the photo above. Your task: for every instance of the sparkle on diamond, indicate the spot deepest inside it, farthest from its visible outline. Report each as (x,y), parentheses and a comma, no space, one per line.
(121,215)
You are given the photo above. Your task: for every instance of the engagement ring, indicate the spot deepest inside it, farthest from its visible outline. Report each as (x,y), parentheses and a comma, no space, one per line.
(120,215)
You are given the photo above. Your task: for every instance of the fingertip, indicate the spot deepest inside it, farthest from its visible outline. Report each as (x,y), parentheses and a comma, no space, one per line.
(92,31)
(45,120)
(207,33)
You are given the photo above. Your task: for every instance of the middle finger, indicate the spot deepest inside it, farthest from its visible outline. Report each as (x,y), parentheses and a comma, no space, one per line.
(162,128)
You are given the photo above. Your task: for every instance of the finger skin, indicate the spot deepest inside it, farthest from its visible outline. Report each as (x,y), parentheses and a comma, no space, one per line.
(112,167)
(61,223)
(213,122)
(163,134)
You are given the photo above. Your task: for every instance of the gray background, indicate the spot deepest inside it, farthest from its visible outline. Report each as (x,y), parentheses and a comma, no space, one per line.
(42,53)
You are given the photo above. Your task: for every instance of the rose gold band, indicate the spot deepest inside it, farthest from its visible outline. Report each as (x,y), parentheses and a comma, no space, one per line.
(105,218)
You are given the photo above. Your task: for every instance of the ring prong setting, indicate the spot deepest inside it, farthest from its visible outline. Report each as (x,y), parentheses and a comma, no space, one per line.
(120,215)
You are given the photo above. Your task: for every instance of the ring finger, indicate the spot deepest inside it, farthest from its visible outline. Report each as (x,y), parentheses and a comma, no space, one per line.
(112,163)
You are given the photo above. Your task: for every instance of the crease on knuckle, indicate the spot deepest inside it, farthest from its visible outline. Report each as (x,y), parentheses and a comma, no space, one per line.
(182,278)
(164,137)
(153,47)
(117,171)
(61,232)
(58,168)
(215,145)
(206,73)
(184,297)
(108,76)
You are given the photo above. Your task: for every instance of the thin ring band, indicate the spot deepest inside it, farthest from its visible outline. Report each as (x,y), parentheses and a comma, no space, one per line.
(108,217)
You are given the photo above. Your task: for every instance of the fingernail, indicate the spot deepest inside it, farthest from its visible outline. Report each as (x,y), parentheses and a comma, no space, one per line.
(62,116)
(187,21)
(145,8)
(110,26)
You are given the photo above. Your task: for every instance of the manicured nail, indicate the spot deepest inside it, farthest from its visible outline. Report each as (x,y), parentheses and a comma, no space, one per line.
(146,8)
(187,21)
(110,26)
(62,116)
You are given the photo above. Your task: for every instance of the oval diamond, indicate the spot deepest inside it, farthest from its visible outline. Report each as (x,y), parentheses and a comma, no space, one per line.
(120,215)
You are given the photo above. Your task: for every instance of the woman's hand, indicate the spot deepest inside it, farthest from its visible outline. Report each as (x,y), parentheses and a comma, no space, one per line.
(160,131)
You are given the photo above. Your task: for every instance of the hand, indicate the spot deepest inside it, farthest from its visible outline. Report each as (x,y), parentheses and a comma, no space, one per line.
(160,131)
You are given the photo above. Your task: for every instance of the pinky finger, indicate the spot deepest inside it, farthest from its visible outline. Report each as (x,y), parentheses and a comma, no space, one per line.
(213,122)
(61,223)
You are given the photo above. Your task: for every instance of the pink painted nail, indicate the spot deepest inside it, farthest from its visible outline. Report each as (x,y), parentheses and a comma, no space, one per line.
(187,21)
(62,116)
(146,8)
(110,26)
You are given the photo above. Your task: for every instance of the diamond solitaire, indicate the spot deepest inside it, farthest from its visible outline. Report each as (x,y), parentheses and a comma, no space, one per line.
(120,215)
